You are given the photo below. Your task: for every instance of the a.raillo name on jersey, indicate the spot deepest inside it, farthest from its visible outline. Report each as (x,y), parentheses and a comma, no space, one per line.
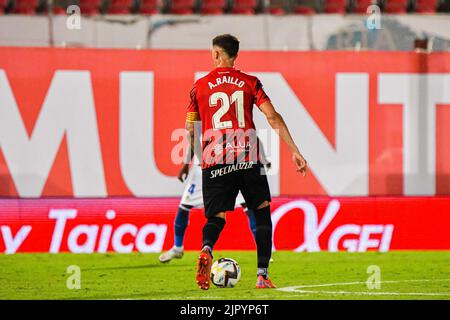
(226,80)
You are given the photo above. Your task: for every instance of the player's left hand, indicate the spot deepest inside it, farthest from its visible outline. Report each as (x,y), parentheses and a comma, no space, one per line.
(300,163)
(184,172)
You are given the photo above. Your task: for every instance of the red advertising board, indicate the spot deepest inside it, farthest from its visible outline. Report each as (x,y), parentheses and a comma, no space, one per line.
(98,123)
(300,224)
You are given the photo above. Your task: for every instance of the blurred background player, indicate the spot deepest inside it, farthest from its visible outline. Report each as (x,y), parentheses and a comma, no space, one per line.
(193,198)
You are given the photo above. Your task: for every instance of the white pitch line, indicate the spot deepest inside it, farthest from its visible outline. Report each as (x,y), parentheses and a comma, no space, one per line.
(299,289)
(375,293)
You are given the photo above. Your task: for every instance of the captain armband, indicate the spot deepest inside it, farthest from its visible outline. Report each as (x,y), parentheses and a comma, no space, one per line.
(192,117)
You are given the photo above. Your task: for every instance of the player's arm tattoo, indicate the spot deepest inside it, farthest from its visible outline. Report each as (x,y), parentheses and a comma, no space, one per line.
(193,135)
(190,136)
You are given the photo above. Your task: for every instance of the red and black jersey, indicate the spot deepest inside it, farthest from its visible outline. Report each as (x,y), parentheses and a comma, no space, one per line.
(223,101)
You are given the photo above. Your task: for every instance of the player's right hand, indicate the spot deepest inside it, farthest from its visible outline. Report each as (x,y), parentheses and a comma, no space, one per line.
(300,163)
(183,172)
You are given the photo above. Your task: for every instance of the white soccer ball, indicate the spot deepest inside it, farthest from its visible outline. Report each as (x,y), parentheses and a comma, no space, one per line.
(225,273)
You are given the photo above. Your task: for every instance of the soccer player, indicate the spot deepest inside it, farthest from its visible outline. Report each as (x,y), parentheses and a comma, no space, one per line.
(223,101)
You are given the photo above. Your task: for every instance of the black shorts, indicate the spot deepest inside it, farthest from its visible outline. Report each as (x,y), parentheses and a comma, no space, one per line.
(222,183)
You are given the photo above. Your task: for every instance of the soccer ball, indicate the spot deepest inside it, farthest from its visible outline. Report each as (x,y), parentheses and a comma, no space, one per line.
(225,273)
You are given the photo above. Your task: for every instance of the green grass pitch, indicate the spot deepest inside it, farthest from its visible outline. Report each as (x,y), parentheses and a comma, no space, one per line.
(322,275)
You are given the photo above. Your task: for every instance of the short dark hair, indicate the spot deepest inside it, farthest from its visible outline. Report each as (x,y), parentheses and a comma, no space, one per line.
(229,43)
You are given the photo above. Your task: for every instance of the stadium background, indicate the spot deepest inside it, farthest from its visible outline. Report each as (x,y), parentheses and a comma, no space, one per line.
(87,115)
